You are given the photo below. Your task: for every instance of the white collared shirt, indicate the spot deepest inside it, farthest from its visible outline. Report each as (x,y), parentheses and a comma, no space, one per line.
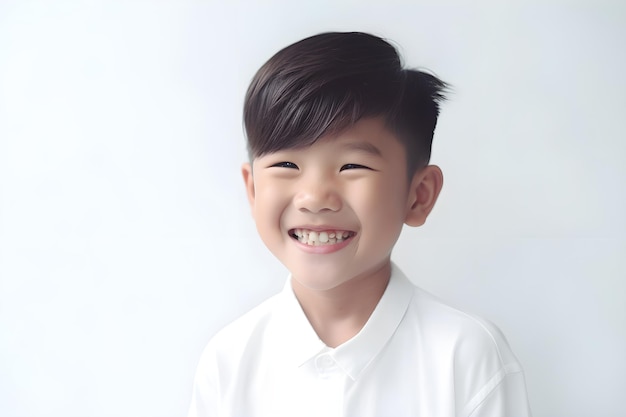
(416,356)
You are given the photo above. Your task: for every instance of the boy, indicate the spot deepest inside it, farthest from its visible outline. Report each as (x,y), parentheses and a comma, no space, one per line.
(339,137)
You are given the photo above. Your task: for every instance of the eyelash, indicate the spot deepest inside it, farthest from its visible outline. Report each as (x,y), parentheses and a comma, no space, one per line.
(291,165)
(354,166)
(285,164)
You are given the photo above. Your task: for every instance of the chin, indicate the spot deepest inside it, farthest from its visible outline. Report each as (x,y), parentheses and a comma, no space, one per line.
(319,280)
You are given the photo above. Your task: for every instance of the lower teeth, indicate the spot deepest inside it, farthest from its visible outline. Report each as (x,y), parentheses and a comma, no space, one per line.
(318,243)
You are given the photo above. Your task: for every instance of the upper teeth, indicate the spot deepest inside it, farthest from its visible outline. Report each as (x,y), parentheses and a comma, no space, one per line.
(326,237)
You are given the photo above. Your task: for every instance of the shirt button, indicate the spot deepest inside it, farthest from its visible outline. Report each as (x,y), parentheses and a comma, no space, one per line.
(324,362)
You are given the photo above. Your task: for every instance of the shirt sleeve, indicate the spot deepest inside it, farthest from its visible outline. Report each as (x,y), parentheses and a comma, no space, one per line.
(504,397)
(490,375)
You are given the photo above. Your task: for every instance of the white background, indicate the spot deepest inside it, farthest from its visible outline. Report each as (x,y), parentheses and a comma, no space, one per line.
(126,240)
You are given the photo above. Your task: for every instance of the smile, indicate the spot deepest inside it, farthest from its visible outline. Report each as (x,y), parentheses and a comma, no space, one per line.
(320,238)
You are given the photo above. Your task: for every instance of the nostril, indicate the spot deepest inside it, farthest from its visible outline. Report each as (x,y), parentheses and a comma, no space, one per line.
(317,205)
(317,197)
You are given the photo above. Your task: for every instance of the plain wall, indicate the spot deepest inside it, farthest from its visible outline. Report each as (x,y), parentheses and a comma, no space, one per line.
(126,239)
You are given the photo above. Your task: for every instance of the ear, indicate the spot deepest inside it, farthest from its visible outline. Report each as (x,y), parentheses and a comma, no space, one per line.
(248,179)
(423,192)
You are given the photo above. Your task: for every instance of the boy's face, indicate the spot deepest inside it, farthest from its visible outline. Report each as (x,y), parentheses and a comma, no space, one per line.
(332,212)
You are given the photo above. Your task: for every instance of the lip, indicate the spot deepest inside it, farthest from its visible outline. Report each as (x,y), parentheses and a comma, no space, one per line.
(320,228)
(322,249)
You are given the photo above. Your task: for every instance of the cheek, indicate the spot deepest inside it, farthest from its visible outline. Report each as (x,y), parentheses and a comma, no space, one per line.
(382,205)
(270,202)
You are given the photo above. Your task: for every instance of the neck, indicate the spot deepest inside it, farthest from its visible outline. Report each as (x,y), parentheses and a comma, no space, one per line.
(339,313)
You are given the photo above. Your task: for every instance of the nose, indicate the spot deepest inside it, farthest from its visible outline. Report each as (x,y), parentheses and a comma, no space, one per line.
(317,195)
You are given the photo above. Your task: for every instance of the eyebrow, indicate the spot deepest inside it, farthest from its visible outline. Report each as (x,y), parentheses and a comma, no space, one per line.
(363,147)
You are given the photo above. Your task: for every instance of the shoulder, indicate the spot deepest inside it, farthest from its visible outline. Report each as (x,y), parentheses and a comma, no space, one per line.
(229,352)
(231,343)
(472,336)
(472,350)
(246,327)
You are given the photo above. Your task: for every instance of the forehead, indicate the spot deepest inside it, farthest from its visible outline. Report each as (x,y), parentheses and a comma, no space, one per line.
(369,137)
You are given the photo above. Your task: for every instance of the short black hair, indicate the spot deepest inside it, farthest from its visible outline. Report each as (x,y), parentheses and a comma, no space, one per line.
(326,83)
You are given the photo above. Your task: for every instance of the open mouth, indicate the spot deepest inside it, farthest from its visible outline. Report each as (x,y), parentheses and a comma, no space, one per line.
(321,237)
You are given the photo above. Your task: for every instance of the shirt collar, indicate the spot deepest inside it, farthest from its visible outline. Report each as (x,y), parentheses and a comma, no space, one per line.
(357,353)
(297,340)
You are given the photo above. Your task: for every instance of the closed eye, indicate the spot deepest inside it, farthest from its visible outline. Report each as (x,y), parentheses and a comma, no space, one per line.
(285,164)
(354,166)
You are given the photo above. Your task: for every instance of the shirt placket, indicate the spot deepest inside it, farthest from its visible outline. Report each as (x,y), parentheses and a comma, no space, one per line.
(330,382)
